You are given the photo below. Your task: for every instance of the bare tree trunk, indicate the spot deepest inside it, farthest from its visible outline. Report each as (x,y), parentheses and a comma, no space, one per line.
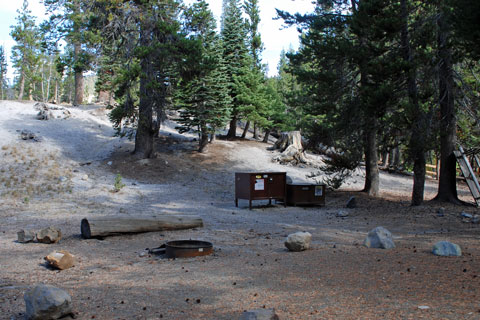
(245,130)
(145,133)
(420,126)
(267,134)
(78,99)
(372,179)
(203,142)
(49,81)
(255,131)
(232,131)
(22,86)
(447,187)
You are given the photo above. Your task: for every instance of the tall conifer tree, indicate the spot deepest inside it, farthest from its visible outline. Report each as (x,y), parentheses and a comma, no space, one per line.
(203,95)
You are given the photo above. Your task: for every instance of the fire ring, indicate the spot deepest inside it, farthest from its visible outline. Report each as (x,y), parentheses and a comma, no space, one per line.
(187,248)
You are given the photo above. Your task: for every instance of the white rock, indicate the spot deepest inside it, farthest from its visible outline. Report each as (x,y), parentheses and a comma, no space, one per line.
(379,238)
(298,241)
(446,249)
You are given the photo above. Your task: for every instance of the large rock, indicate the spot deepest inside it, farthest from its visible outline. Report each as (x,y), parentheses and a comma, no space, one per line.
(25,236)
(60,259)
(259,314)
(49,235)
(298,241)
(445,248)
(379,238)
(46,302)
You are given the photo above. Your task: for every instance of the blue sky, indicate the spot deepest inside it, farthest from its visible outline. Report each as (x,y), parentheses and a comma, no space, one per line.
(273,38)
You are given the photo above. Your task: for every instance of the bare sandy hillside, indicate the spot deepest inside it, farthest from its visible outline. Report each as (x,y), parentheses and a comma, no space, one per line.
(66,172)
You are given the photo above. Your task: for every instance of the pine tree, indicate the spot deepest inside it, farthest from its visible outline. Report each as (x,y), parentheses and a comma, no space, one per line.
(236,57)
(203,96)
(3,72)
(151,44)
(68,21)
(25,54)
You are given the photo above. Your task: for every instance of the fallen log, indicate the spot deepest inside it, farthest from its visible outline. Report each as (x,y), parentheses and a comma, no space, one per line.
(114,225)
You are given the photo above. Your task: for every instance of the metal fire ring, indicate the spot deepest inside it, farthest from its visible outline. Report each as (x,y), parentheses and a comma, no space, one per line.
(184,248)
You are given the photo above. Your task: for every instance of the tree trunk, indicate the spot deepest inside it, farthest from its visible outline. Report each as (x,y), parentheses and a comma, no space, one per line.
(267,134)
(114,225)
(203,141)
(245,130)
(372,179)
(78,99)
(255,131)
(22,86)
(232,131)
(145,133)
(420,127)
(447,187)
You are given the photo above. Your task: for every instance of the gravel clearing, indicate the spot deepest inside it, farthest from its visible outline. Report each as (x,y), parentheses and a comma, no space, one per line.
(337,278)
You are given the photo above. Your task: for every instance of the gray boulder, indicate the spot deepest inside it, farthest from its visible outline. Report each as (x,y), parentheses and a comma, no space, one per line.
(298,241)
(446,249)
(259,314)
(379,238)
(46,302)
(25,236)
(352,203)
(49,235)
(342,214)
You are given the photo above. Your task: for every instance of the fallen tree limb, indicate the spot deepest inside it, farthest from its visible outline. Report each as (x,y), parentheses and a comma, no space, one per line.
(114,225)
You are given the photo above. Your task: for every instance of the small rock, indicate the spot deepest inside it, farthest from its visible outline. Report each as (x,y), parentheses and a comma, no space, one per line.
(259,314)
(446,249)
(352,203)
(466,215)
(109,163)
(49,235)
(423,307)
(142,254)
(85,177)
(25,236)
(60,259)
(476,219)
(62,179)
(27,135)
(144,162)
(45,302)
(441,212)
(342,214)
(379,238)
(298,241)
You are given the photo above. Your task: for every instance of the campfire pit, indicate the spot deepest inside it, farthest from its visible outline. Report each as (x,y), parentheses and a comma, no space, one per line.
(184,248)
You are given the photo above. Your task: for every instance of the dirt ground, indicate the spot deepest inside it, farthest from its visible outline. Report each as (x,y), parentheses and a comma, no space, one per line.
(113,278)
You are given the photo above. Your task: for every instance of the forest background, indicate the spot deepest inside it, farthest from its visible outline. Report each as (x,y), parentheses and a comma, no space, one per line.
(373,82)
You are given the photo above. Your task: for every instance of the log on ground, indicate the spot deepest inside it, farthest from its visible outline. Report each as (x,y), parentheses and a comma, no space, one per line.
(115,225)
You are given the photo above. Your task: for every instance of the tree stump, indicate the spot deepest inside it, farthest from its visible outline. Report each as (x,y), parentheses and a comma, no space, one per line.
(291,148)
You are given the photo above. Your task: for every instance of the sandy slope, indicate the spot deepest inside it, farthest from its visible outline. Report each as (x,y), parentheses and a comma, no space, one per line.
(69,175)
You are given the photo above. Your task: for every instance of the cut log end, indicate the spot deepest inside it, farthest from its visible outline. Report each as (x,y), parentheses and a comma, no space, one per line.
(85,228)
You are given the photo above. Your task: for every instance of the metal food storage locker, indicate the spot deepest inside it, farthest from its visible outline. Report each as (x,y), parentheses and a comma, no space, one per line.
(260,186)
(305,194)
